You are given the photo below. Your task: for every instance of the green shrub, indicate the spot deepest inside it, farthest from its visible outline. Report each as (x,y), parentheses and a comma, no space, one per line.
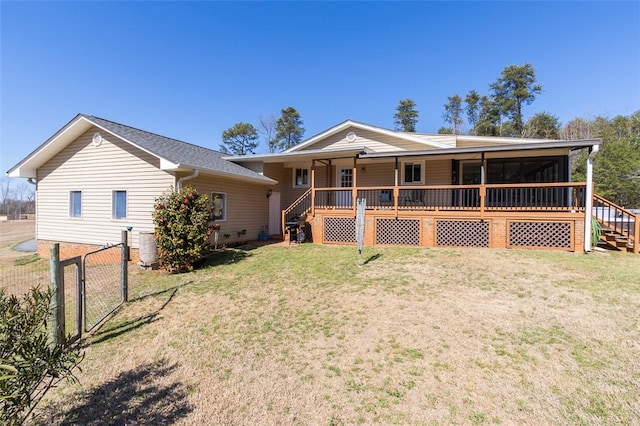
(29,364)
(183,223)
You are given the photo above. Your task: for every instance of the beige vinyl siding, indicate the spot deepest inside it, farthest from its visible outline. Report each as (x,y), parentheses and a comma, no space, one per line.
(275,171)
(285,179)
(438,172)
(247,205)
(373,141)
(376,174)
(97,171)
(290,193)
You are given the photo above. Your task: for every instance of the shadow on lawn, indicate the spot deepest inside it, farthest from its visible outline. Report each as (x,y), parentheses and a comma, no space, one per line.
(109,331)
(138,396)
(224,257)
(372,258)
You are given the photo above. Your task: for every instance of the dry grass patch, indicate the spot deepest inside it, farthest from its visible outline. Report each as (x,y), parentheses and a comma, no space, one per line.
(20,271)
(302,335)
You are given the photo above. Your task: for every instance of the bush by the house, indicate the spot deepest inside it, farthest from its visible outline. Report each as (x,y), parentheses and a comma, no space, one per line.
(29,364)
(183,226)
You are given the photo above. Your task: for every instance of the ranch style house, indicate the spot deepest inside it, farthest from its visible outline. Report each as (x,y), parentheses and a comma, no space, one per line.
(95,177)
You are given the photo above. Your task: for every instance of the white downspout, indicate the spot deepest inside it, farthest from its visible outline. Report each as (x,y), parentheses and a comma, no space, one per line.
(588,202)
(182,179)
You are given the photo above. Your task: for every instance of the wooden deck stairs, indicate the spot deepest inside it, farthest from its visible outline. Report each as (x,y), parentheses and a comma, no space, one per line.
(617,241)
(620,228)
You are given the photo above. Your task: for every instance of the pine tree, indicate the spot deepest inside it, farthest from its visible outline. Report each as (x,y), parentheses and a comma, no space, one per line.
(514,89)
(289,130)
(406,116)
(453,113)
(241,139)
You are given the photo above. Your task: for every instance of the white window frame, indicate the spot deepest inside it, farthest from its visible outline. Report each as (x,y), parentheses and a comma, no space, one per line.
(339,170)
(224,204)
(412,163)
(71,205)
(113,204)
(295,175)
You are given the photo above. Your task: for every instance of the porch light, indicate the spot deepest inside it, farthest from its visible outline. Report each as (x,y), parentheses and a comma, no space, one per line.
(269,192)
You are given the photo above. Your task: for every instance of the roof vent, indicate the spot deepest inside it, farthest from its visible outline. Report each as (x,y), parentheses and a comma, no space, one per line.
(351,136)
(97,139)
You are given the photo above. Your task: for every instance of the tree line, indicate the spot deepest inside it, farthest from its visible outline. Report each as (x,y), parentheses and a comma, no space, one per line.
(500,113)
(16,199)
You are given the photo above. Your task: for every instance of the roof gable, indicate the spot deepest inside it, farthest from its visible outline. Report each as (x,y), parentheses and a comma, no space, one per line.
(173,154)
(365,135)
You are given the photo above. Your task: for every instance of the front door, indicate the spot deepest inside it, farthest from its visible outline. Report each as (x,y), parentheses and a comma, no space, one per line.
(344,199)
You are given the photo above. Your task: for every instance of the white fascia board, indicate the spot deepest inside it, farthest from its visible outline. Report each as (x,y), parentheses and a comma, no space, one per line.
(167,165)
(22,172)
(285,156)
(260,180)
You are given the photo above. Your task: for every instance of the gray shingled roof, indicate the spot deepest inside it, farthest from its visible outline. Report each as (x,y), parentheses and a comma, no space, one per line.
(182,153)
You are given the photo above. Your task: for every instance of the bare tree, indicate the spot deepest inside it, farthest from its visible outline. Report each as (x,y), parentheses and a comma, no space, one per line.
(5,194)
(24,193)
(268,130)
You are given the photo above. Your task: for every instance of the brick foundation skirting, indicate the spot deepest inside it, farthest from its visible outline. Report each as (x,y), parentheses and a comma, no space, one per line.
(68,250)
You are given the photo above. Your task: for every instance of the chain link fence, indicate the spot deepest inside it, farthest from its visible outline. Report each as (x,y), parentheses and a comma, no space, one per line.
(103,274)
(18,274)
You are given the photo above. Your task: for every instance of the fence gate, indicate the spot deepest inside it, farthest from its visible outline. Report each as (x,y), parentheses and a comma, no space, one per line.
(104,283)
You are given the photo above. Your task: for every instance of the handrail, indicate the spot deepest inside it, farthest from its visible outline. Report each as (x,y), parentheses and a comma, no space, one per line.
(489,185)
(563,196)
(304,200)
(623,221)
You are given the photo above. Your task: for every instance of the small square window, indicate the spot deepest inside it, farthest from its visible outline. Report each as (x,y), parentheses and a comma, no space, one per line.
(119,205)
(301,178)
(412,172)
(75,204)
(219,204)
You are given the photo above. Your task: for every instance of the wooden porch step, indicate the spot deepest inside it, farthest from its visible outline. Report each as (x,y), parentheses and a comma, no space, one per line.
(617,241)
(611,236)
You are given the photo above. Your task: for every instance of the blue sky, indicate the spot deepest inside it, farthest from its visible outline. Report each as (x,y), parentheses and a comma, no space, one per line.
(190,70)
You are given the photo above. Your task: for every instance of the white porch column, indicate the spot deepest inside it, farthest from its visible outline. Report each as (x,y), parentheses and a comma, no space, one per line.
(395,175)
(588,202)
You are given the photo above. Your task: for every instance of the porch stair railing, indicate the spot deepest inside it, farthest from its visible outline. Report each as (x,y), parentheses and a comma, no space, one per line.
(620,227)
(297,209)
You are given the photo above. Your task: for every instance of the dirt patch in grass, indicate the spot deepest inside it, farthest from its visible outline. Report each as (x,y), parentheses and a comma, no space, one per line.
(302,335)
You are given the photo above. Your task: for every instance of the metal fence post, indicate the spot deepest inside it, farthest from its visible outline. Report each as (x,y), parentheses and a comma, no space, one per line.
(56,306)
(125,263)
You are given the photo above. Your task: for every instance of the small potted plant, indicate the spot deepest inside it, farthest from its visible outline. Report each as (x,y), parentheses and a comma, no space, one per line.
(263,235)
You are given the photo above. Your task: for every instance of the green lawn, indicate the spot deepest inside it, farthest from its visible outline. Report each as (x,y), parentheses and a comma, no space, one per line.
(302,335)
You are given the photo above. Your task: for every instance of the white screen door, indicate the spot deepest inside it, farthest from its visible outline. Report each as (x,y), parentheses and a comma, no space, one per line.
(274,213)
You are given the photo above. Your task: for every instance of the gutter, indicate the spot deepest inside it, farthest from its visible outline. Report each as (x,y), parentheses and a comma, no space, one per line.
(184,178)
(588,202)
